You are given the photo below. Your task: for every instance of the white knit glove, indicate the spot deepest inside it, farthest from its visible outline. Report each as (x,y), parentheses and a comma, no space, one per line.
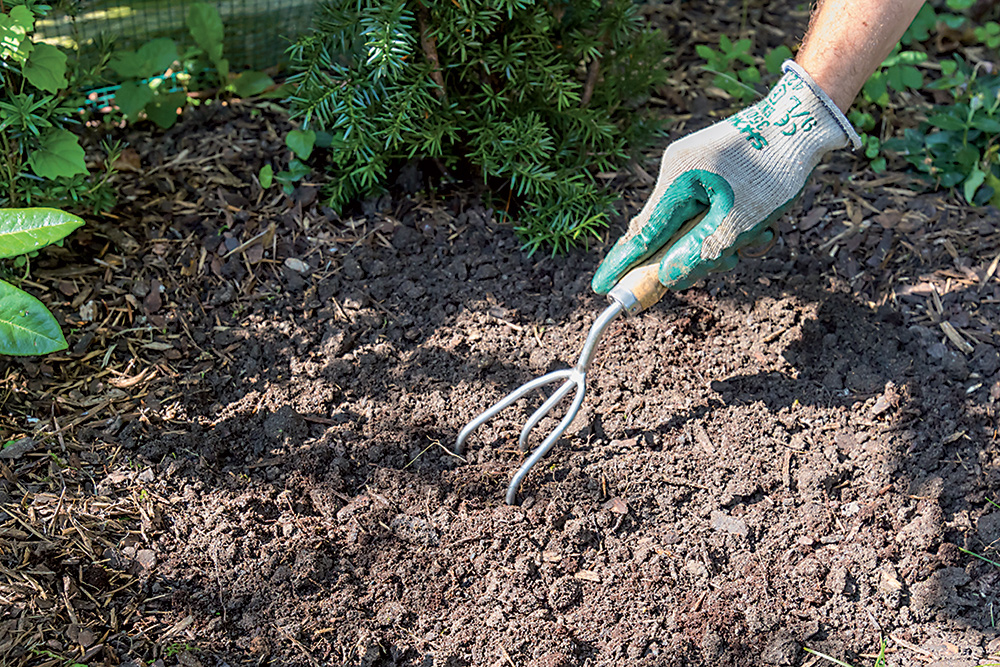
(747,170)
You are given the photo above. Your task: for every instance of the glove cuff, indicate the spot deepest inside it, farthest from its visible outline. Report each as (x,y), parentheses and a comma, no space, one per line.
(790,66)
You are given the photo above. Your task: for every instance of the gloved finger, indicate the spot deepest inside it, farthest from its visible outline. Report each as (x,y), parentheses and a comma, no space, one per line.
(666,218)
(759,246)
(683,264)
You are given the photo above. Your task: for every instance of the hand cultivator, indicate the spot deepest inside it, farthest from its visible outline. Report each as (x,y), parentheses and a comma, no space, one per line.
(638,290)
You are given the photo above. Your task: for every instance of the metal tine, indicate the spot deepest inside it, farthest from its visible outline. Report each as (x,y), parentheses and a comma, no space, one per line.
(544,409)
(546,445)
(574,377)
(506,401)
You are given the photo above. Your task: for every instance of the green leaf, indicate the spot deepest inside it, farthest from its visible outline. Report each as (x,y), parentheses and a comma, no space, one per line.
(774,60)
(994,182)
(59,154)
(26,325)
(24,230)
(205,24)
(266,176)
(132,97)
(46,68)
(162,110)
(976,178)
(967,157)
(250,83)
(875,89)
(14,28)
(301,142)
(704,51)
(946,122)
(152,59)
(990,125)
(912,78)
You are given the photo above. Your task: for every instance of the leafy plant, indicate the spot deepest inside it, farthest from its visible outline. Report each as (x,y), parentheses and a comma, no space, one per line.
(958,143)
(26,325)
(533,99)
(156,77)
(35,112)
(735,68)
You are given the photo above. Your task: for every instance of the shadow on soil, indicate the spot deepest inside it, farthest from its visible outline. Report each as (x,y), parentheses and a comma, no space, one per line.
(804,467)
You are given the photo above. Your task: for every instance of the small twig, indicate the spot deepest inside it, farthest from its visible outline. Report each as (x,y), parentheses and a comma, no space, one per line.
(429,45)
(588,87)
(298,645)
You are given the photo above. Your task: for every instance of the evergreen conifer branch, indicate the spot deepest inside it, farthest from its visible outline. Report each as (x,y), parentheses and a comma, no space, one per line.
(532,99)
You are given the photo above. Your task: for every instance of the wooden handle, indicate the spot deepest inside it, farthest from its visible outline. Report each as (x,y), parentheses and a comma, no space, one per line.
(641,288)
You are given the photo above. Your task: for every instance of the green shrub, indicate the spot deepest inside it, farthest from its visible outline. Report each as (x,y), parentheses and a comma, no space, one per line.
(41,160)
(533,99)
(145,90)
(957,144)
(26,325)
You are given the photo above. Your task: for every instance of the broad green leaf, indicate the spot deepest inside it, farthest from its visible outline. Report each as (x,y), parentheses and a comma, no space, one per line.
(902,77)
(26,325)
(946,122)
(920,29)
(990,125)
(976,178)
(59,154)
(994,182)
(968,157)
(205,24)
(14,28)
(24,230)
(725,43)
(163,109)
(704,51)
(266,176)
(152,59)
(875,89)
(774,59)
(250,83)
(46,68)
(132,97)
(750,75)
(301,142)
(912,78)
(222,67)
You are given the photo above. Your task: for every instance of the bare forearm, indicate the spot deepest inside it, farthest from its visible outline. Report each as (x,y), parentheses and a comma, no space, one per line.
(848,39)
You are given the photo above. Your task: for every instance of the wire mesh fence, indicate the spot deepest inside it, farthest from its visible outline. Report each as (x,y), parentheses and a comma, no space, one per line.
(257,31)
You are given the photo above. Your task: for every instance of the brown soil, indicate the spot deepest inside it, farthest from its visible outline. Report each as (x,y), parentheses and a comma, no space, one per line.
(244,459)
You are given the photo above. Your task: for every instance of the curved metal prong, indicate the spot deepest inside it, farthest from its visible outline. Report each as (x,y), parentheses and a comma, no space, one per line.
(543,410)
(546,445)
(504,402)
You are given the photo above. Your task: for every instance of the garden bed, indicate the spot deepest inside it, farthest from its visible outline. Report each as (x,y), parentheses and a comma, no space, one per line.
(243,458)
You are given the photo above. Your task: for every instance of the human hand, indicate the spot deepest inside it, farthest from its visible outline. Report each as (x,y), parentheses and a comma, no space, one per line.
(746,171)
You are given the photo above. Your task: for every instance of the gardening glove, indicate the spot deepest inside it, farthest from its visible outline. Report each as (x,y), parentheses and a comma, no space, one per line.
(746,171)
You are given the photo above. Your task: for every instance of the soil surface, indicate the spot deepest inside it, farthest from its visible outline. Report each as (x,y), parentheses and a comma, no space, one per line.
(244,458)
